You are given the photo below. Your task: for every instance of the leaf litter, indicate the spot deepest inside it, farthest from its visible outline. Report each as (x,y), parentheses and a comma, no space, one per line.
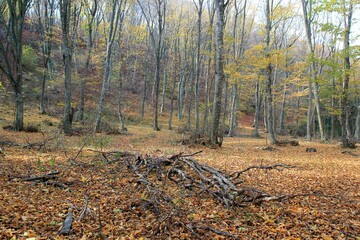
(128,195)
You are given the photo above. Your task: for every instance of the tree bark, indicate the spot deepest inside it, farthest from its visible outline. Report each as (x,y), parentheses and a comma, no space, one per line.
(199,7)
(269,97)
(115,22)
(11,55)
(357,125)
(257,110)
(215,136)
(308,18)
(344,100)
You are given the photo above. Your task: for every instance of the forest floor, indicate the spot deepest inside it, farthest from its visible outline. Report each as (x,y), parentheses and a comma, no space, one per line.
(105,198)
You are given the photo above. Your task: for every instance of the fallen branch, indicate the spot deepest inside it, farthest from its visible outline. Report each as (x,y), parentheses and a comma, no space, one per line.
(85,208)
(350,153)
(43,178)
(66,227)
(42,144)
(278,167)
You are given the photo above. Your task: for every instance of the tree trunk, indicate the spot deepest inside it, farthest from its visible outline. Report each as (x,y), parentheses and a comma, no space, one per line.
(67,120)
(219,71)
(180,95)
(308,18)
(162,109)
(223,127)
(357,125)
(66,9)
(211,12)
(114,24)
(172,97)
(199,8)
(19,108)
(142,111)
(156,87)
(12,32)
(269,97)
(257,110)
(344,100)
(120,89)
(282,112)
(234,96)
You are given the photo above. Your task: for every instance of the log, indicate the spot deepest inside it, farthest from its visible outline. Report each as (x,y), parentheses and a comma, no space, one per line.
(43,178)
(66,227)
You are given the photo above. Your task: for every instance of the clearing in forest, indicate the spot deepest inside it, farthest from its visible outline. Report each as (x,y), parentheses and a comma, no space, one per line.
(127,187)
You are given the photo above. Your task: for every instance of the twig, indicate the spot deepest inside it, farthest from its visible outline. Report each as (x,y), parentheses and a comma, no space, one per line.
(279,167)
(350,153)
(85,208)
(43,178)
(182,155)
(101,234)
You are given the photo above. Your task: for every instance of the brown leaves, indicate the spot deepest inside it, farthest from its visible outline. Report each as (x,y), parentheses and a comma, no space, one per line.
(40,210)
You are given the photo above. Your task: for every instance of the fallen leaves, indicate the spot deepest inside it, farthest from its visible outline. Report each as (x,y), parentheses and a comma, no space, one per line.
(40,210)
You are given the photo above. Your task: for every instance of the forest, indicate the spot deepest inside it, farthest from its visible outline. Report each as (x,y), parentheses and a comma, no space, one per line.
(179,119)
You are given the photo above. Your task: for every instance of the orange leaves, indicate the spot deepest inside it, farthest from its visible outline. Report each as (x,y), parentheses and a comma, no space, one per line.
(39,210)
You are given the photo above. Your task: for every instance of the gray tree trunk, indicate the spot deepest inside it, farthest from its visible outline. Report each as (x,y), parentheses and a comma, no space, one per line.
(211,11)
(11,56)
(233,109)
(257,110)
(162,109)
(120,90)
(308,18)
(344,100)
(66,12)
(357,126)
(115,22)
(199,7)
(269,97)
(216,136)
(143,100)
(90,16)
(45,12)
(176,70)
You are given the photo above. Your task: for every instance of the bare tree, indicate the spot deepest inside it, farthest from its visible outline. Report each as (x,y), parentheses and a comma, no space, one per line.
(238,50)
(12,18)
(116,21)
(90,10)
(44,10)
(154,12)
(344,100)
(308,13)
(69,14)
(199,5)
(268,88)
(216,136)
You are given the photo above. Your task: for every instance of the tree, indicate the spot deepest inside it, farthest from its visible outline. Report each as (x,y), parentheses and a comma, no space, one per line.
(116,21)
(69,14)
(308,15)
(90,10)
(155,16)
(45,13)
(199,8)
(216,136)
(344,99)
(268,88)
(237,53)
(12,18)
